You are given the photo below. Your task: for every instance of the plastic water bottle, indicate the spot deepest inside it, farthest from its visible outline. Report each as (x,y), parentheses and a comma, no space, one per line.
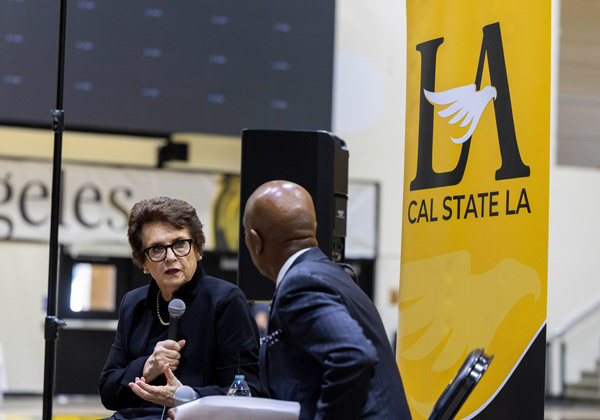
(239,387)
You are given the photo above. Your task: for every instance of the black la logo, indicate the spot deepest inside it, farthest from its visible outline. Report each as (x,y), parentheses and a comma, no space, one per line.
(512,164)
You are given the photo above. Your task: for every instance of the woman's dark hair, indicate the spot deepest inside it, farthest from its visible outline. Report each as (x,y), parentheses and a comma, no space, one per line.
(177,213)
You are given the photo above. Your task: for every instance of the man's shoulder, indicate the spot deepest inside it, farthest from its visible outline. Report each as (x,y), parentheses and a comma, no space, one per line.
(312,274)
(315,264)
(317,273)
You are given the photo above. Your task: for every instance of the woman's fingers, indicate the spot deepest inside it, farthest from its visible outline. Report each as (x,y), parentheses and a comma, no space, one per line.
(171,378)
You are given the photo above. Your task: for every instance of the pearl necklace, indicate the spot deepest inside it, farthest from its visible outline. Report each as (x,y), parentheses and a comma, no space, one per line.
(163,323)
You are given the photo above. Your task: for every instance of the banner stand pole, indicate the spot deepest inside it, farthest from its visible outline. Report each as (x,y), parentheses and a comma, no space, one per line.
(53,324)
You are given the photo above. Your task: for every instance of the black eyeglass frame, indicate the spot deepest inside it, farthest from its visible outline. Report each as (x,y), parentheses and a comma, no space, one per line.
(166,248)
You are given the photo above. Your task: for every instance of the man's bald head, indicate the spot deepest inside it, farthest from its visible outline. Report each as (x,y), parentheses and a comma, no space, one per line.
(281,211)
(279,219)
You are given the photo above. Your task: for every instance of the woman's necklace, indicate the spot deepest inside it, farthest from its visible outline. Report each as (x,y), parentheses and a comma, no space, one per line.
(163,323)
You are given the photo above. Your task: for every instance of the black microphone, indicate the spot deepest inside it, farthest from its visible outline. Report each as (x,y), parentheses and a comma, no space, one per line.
(176,310)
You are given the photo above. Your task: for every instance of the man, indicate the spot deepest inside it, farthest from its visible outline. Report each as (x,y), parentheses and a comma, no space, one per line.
(326,346)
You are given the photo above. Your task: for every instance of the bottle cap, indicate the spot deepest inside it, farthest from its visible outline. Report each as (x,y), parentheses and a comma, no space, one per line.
(239,377)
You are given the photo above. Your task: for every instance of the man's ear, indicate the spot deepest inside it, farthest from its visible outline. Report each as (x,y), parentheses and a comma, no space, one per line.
(256,241)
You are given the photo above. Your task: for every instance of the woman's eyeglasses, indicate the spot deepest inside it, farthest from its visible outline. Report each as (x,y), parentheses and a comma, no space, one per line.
(180,248)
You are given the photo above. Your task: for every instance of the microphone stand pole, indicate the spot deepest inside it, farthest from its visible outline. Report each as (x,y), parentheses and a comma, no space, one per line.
(53,324)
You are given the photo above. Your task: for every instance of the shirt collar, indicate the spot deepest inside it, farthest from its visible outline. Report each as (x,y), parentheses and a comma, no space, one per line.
(284,269)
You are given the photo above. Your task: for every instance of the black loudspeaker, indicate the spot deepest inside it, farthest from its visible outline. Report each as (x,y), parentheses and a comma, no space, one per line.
(317,160)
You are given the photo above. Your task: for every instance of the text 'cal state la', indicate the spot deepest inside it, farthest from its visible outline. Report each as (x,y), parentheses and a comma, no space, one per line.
(472,206)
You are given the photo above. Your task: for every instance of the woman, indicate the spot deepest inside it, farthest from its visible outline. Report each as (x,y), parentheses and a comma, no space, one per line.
(217,333)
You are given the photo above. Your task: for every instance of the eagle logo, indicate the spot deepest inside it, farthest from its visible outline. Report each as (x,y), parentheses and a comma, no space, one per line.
(463,310)
(466,104)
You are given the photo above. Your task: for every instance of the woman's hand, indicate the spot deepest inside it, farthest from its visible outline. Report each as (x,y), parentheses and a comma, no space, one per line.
(165,353)
(161,395)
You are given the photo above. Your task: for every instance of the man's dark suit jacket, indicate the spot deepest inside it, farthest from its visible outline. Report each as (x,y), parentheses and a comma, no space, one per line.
(219,330)
(327,348)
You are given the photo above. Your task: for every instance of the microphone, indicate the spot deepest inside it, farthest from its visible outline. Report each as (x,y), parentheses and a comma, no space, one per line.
(176,310)
(184,394)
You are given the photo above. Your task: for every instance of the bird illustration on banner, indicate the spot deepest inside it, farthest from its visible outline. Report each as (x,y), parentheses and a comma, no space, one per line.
(449,310)
(466,104)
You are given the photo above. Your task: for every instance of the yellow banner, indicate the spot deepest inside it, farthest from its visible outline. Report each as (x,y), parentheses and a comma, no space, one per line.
(475,213)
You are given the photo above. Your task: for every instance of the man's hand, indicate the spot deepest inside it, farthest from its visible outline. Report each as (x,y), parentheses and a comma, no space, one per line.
(161,395)
(165,353)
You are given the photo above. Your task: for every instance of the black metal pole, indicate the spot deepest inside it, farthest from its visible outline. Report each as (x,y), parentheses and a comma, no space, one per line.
(53,324)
